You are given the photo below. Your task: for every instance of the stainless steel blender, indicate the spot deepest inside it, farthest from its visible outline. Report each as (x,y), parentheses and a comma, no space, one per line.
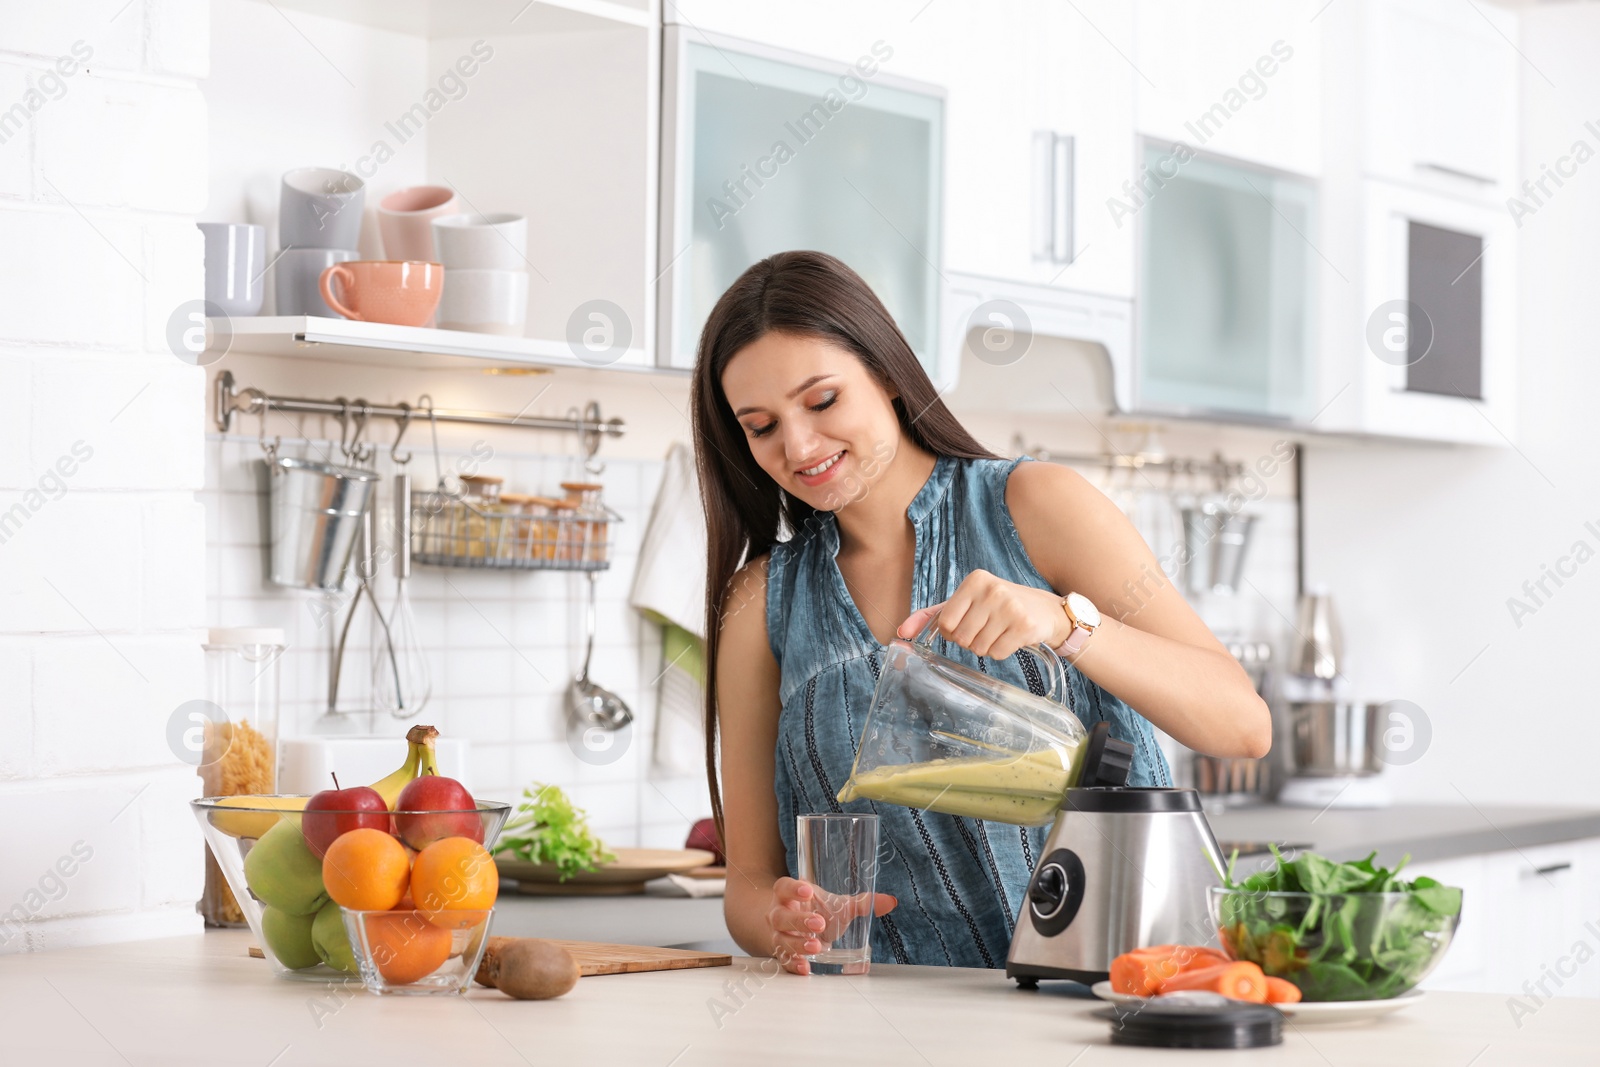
(1121,868)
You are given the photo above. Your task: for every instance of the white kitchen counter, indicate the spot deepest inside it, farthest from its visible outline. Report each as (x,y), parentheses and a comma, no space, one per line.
(1426,831)
(200,1000)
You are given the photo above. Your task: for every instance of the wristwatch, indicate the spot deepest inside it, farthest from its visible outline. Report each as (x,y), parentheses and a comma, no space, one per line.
(1085,619)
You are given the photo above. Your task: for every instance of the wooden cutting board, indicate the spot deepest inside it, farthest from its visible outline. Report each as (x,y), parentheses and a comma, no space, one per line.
(595,957)
(625,875)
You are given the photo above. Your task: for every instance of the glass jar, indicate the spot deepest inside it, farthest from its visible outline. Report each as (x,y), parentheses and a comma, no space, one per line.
(566,540)
(484,525)
(517,540)
(240,754)
(592,519)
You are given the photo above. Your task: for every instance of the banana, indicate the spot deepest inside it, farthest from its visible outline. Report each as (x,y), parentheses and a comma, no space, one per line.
(254,823)
(420,760)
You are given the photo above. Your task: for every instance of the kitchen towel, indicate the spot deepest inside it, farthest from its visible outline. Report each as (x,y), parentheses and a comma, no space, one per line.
(669,589)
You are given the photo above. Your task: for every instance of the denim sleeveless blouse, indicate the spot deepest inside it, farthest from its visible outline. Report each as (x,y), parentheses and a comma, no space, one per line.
(959,881)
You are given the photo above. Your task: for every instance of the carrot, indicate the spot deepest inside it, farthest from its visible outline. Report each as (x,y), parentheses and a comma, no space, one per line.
(1241,980)
(1142,971)
(1282,991)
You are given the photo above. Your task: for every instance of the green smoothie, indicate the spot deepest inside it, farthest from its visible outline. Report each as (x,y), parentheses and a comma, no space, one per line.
(1022,789)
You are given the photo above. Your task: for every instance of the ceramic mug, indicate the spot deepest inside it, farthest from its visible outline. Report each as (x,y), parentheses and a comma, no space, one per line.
(236,266)
(402,292)
(405,220)
(297,279)
(320,207)
(485,301)
(496,241)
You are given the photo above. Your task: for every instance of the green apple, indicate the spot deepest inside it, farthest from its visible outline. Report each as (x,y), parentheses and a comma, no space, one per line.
(289,938)
(329,938)
(283,873)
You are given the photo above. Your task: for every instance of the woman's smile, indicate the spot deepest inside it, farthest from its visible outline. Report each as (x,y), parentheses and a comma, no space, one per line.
(820,473)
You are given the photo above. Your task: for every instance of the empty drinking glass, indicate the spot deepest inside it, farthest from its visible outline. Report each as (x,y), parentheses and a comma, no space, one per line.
(839,855)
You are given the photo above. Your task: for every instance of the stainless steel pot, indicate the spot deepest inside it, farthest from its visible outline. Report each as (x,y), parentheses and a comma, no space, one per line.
(316,514)
(1336,738)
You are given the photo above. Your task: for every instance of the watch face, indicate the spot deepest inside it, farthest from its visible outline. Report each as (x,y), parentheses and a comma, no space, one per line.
(1083,610)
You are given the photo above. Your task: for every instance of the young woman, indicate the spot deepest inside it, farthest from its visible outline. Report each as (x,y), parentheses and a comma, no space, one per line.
(843,501)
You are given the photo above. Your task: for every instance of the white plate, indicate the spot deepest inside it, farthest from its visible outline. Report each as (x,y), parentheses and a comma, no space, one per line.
(1327,1011)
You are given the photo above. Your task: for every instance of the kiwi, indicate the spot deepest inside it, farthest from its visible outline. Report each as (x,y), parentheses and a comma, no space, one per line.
(527,968)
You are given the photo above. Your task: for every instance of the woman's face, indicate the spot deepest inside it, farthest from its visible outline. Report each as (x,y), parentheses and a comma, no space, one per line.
(815,418)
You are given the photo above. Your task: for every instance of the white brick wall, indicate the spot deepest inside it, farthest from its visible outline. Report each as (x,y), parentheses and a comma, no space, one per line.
(102,173)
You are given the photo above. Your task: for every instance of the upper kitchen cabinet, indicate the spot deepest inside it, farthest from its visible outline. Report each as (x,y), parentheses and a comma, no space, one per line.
(1240,79)
(1041,141)
(1420,300)
(765,150)
(1439,82)
(1038,119)
(547,109)
(1227,290)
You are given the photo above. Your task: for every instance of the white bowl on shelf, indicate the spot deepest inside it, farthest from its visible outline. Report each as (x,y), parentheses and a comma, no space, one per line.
(484,301)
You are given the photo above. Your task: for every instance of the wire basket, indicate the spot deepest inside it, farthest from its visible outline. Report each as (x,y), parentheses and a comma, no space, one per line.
(449,531)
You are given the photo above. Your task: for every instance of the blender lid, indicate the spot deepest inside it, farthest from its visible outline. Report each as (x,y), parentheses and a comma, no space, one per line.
(1107,762)
(1155,1024)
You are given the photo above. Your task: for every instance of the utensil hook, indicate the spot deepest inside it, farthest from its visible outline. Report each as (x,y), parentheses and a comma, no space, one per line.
(433,429)
(395,455)
(261,434)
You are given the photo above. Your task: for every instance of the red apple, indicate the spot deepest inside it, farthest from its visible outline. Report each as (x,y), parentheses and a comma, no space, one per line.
(432,808)
(703,834)
(338,811)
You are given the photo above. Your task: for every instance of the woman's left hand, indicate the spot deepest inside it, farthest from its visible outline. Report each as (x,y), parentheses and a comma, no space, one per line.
(992,617)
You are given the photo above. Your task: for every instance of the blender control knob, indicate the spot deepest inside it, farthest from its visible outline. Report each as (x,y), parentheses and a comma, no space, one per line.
(1048,890)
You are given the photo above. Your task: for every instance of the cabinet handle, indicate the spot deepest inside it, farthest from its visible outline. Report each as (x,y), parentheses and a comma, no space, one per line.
(1553,868)
(1053,165)
(1440,168)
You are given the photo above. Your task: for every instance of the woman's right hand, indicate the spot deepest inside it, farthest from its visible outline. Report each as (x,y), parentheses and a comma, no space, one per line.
(805,920)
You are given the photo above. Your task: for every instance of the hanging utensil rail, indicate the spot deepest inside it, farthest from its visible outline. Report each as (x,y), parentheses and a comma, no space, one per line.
(250,401)
(1215,467)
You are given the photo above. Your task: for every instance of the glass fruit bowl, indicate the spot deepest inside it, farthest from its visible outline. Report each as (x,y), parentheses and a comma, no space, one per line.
(260,843)
(1336,946)
(412,952)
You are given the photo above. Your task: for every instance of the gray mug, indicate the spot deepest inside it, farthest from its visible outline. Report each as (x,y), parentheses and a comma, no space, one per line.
(320,207)
(297,275)
(236,266)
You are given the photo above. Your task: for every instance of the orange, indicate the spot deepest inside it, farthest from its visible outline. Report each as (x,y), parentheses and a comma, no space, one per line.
(454,882)
(366,870)
(405,946)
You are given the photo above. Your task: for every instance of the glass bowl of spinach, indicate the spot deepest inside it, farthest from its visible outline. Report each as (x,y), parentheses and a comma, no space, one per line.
(1338,931)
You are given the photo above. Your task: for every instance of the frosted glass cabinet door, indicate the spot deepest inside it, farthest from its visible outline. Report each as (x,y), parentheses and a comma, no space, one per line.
(768,153)
(1226,289)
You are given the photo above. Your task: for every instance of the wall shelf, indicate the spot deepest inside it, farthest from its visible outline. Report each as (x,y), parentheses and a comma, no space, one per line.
(451,18)
(413,347)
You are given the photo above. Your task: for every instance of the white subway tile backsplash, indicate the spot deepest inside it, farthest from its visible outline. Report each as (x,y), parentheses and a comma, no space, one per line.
(135,426)
(173,535)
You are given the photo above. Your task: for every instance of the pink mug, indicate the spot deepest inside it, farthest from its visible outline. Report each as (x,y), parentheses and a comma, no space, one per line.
(402,292)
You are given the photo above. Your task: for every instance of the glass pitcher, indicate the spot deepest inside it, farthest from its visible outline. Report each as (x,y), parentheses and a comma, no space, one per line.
(943,737)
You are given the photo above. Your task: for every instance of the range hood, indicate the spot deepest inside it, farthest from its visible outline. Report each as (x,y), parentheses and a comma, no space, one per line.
(1015,347)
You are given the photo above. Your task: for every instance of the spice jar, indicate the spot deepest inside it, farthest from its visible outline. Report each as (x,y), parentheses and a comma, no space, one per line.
(567,535)
(485,525)
(591,518)
(240,736)
(520,533)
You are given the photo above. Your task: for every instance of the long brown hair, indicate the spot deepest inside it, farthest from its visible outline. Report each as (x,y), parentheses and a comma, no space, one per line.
(803,293)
